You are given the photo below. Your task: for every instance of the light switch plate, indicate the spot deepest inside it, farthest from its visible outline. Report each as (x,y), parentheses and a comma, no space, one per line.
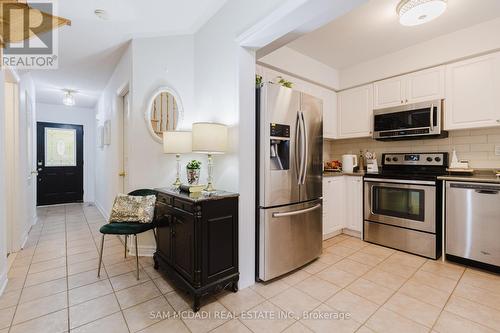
(497,150)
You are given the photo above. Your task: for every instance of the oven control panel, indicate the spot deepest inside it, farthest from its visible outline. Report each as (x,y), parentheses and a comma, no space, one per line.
(421,159)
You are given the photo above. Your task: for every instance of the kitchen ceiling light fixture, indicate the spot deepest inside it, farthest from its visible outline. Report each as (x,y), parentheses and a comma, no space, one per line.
(416,12)
(69,98)
(101,13)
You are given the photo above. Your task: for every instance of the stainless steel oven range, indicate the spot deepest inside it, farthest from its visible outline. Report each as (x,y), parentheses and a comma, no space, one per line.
(402,206)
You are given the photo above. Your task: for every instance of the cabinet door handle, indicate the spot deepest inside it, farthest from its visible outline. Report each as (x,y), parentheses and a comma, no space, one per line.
(486,191)
(498,120)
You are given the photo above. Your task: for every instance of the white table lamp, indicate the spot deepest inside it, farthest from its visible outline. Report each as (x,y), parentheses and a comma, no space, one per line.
(209,138)
(177,142)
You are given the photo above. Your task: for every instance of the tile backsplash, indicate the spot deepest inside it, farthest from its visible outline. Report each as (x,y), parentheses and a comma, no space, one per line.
(477,146)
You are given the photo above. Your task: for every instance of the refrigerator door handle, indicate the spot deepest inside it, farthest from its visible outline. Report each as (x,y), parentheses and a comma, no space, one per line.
(305,154)
(298,166)
(297,212)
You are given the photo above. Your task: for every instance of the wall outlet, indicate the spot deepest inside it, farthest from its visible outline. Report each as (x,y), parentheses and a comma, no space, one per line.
(497,150)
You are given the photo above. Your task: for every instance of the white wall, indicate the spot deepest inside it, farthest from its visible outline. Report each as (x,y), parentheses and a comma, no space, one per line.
(3,249)
(76,116)
(148,64)
(293,62)
(108,162)
(467,42)
(158,62)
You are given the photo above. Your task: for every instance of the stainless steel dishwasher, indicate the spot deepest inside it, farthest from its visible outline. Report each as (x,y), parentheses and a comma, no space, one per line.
(473,223)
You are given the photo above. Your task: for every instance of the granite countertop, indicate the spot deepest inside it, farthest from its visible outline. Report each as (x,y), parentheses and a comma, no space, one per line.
(341,173)
(199,196)
(479,176)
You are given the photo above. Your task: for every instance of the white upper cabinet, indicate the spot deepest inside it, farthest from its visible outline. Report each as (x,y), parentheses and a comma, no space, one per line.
(426,85)
(473,93)
(416,87)
(355,112)
(389,93)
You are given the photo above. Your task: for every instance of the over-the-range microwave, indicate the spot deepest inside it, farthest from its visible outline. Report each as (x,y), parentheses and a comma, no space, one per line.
(411,121)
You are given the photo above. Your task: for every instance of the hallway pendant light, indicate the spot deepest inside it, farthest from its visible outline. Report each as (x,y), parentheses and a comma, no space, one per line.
(69,98)
(416,12)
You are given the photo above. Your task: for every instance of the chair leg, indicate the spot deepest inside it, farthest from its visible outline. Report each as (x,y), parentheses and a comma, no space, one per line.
(100,257)
(136,257)
(126,236)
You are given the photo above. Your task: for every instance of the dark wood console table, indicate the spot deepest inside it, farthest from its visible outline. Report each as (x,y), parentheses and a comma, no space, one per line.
(198,241)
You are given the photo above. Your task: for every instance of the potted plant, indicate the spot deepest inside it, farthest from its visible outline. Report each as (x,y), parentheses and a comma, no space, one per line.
(193,172)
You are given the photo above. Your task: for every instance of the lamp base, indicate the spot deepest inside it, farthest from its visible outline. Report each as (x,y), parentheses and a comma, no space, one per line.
(177,183)
(209,188)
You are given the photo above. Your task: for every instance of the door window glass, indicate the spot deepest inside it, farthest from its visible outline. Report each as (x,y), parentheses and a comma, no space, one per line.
(399,202)
(60,147)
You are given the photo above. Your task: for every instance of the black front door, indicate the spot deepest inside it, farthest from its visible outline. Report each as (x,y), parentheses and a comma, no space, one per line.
(59,163)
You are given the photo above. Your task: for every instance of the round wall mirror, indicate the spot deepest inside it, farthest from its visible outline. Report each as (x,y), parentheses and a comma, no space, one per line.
(164,112)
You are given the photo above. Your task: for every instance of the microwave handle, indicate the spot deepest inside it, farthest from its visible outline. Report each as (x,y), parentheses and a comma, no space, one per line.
(432,117)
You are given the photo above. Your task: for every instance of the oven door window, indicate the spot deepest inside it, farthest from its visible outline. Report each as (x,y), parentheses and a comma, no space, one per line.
(399,202)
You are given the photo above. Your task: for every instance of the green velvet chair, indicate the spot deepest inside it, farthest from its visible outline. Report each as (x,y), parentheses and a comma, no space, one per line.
(127,229)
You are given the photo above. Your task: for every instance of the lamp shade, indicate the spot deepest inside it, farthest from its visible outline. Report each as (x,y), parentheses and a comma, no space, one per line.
(176,142)
(209,138)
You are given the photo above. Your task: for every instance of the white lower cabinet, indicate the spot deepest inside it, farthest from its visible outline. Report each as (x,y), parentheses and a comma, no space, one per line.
(342,204)
(354,203)
(333,205)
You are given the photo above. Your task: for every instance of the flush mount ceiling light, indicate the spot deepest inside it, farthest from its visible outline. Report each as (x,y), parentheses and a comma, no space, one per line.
(69,98)
(416,12)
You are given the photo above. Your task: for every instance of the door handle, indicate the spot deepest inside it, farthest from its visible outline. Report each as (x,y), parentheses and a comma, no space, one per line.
(432,117)
(122,174)
(297,212)
(306,148)
(486,191)
(299,137)
(297,129)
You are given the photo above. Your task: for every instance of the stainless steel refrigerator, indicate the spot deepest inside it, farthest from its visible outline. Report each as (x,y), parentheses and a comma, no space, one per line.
(289,180)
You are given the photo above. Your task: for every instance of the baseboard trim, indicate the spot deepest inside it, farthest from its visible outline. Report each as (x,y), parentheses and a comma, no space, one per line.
(144,250)
(100,209)
(332,234)
(352,233)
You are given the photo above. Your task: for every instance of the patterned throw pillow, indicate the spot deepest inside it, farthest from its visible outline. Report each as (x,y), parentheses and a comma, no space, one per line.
(128,208)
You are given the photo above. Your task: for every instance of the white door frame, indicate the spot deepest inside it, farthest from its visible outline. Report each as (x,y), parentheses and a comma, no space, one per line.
(123,108)
(12,159)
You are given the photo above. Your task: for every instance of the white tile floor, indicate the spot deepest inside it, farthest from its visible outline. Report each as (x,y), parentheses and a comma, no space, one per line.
(53,287)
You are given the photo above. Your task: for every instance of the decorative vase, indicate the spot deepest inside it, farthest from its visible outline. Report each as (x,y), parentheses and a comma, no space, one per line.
(193,176)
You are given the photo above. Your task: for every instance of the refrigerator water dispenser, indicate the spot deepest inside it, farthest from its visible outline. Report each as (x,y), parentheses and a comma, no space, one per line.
(280,147)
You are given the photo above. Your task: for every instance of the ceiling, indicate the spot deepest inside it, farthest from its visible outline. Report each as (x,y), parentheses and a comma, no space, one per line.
(90,48)
(373,30)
